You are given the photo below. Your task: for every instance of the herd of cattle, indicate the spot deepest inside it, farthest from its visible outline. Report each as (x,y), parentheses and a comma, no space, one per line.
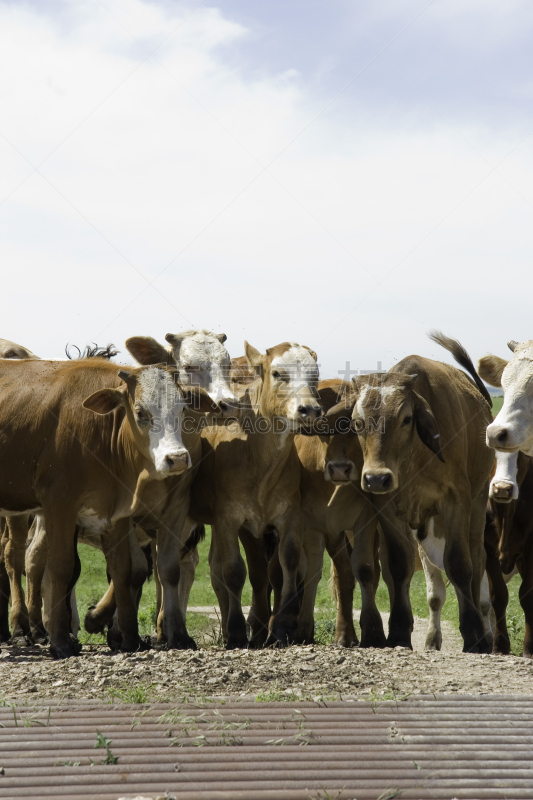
(387,472)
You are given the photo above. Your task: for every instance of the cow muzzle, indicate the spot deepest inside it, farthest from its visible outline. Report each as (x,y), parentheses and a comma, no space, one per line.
(503,491)
(378,481)
(176,463)
(339,472)
(500,438)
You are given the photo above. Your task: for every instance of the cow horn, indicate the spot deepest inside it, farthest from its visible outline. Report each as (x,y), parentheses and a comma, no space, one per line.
(512,345)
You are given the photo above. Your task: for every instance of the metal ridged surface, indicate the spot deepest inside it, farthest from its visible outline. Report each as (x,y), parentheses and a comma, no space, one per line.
(426,747)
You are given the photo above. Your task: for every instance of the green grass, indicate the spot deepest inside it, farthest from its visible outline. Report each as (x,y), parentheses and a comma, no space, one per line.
(206,631)
(497,403)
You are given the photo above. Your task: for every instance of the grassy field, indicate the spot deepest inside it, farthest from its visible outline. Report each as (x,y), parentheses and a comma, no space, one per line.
(93,583)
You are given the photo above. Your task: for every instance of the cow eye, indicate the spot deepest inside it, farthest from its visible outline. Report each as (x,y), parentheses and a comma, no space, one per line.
(407,420)
(276,374)
(143,418)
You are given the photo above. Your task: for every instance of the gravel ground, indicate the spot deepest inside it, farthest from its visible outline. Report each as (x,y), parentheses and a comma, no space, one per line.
(308,672)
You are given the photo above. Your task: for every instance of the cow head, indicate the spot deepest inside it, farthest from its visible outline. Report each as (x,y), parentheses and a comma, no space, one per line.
(391,419)
(512,428)
(155,408)
(343,459)
(288,384)
(12,350)
(201,359)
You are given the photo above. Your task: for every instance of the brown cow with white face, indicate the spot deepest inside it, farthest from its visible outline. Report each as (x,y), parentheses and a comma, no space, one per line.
(202,361)
(248,485)
(421,427)
(77,440)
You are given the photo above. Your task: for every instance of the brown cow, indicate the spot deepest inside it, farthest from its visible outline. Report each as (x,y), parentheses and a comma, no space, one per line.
(421,427)
(59,459)
(248,486)
(201,360)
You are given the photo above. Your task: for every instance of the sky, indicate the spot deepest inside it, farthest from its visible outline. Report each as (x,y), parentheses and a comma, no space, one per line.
(344,175)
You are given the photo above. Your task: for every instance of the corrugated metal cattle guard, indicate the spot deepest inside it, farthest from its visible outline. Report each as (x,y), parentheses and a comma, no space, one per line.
(422,747)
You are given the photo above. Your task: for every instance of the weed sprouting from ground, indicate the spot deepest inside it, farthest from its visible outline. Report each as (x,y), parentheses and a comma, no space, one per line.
(101,741)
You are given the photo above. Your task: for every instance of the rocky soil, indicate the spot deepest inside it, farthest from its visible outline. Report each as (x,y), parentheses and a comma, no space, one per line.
(307,672)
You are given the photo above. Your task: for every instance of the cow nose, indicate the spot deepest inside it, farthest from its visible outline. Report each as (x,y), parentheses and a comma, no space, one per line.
(378,482)
(340,471)
(497,437)
(310,412)
(502,491)
(177,462)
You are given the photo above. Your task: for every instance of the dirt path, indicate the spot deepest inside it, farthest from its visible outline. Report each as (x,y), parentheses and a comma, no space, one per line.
(306,672)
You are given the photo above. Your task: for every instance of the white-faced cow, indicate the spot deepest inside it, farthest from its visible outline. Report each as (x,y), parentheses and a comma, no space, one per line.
(248,486)
(77,440)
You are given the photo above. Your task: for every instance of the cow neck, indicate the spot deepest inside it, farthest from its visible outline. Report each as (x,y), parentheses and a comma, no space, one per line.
(270,450)
(131,467)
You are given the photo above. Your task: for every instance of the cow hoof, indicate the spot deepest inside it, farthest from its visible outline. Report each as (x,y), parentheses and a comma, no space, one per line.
(39,635)
(66,650)
(114,639)
(397,641)
(346,641)
(20,640)
(185,643)
(277,641)
(237,644)
(373,640)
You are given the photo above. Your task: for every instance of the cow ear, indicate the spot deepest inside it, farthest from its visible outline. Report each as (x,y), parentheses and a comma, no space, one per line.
(148,351)
(105,401)
(254,358)
(198,400)
(426,425)
(512,345)
(314,355)
(490,368)
(221,337)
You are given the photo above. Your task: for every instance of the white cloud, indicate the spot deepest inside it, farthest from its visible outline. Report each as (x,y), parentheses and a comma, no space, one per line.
(156,162)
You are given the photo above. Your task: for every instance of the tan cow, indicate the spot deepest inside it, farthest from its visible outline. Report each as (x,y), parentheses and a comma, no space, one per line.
(201,360)
(248,486)
(421,427)
(77,440)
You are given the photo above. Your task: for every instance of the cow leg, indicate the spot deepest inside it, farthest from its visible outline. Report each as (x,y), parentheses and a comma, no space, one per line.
(364,569)
(436,597)
(400,559)
(525,593)
(61,564)
(188,566)
(37,578)
(313,545)
(116,547)
(257,563)
(459,569)
(478,556)
(228,573)
(139,574)
(14,556)
(499,596)
(5,591)
(344,583)
(284,620)
(168,567)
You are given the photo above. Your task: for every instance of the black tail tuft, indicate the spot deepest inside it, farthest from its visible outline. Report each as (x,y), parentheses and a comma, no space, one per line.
(93,352)
(463,359)
(196,536)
